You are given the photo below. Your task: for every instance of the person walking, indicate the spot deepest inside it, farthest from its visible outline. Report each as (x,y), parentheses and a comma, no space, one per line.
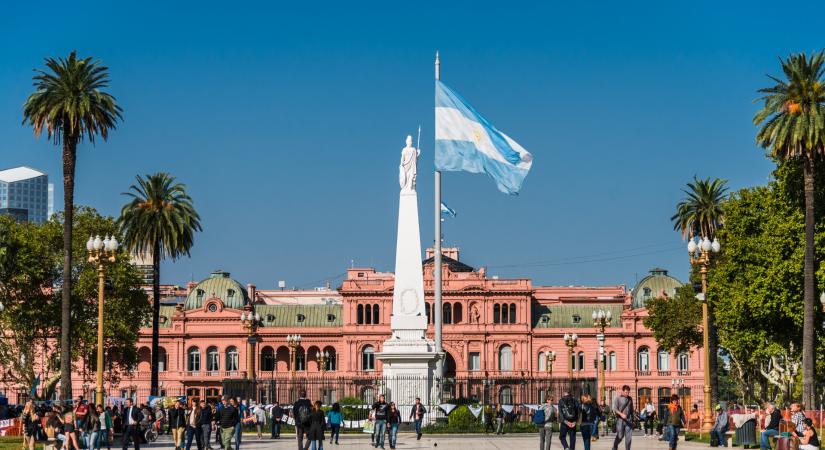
(70,429)
(131,424)
(590,415)
(335,420)
(624,411)
(243,414)
(260,419)
(317,424)
(487,417)
(301,412)
(193,426)
(675,420)
(106,428)
(417,416)
(569,412)
(228,418)
(770,425)
(205,424)
(177,423)
(546,428)
(393,420)
(81,415)
(499,419)
(381,409)
(720,427)
(809,439)
(92,428)
(648,416)
(276,415)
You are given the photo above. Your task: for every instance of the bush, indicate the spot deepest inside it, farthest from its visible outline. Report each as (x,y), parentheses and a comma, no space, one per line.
(462,419)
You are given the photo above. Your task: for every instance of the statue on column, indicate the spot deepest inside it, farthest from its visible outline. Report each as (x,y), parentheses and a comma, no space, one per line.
(408,166)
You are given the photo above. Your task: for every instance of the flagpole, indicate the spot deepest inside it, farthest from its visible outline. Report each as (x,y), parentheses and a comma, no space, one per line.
(439,365)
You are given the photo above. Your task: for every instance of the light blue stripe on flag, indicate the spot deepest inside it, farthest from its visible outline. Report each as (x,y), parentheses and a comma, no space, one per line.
(466,141)
(446,211)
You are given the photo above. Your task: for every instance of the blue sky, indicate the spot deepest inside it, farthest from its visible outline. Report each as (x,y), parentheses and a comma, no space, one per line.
(286,121)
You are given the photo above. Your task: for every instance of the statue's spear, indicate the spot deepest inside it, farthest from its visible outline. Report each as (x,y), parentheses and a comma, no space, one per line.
(418,144)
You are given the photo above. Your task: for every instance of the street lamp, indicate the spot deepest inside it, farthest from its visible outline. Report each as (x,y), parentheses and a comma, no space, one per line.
(551,358)
(322,358)
(292,341)
(700,251)
(101,252)
(601,320)
(250,322)
(570,341)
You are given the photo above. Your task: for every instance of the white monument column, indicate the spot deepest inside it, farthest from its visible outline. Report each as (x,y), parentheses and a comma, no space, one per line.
(407,357)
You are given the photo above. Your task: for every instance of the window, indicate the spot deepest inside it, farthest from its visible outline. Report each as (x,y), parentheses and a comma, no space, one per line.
(643,360)
(457,313)
(663,359)
(542,363)
(611,361)
(368,395)
(332,360)
(577,318)
(496,313)
(682,362)
(505,358)
(647,292)
(581,361)
(375,315)
(330,317)
(300,318)
(475,361)
(512,313)
(193,392)
(427,313)
(368,314)
(230,294)
(447,313)
(545,319)
(300,360)
(368,358)
(194,360)
(270,318)
(232,359)
(163,359)
(573,362)
(200,294)
(359,314)
(644,395)
(212,364)
(267,359)
(505,396)
(212,307)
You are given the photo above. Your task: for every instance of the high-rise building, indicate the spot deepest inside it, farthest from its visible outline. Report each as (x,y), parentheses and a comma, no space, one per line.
(24,194)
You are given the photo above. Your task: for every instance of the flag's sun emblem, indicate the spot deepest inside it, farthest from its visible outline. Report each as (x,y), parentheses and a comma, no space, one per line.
(477,135)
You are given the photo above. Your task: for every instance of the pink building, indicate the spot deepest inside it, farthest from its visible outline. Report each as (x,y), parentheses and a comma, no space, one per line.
(493,328)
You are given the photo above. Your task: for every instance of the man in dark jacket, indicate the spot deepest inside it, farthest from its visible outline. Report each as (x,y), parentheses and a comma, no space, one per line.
(131,425)
(228,417)
(417,415)
(381,408)
(205,424)
(772,419)
(177,423)
(301,411)
(276,414)
(569,409)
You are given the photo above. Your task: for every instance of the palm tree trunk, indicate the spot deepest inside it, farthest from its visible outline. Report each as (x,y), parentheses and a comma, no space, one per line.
(713,344)
(155,315)
(69,160)
(808,340)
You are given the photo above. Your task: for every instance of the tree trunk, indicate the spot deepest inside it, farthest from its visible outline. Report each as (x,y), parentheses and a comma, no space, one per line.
(69,160)
(808,338)
(155,315)
(713,344)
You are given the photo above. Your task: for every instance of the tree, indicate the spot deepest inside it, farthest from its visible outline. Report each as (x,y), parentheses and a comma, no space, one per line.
(701,214)
(792,123)
(70,105)
(676,322)
(30,317)
(159,219)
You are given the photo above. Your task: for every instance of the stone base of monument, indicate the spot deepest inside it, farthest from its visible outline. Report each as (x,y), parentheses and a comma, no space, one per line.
(408,372)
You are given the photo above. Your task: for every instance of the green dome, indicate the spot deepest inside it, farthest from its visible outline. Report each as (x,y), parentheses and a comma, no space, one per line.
(218,285)
(653,286)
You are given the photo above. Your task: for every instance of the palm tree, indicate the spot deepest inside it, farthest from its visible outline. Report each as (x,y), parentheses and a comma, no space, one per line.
(793,128)
(70,105)
(701,214)
(159,219)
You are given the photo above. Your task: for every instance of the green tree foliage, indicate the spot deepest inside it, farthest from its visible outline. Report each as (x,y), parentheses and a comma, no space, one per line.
(30,292)
(676,322)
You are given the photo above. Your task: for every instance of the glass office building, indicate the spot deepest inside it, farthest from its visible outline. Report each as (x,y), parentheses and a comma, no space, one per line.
(24,194)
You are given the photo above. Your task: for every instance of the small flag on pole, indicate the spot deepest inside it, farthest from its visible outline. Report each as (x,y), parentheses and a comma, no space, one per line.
(466,141)
(446,211)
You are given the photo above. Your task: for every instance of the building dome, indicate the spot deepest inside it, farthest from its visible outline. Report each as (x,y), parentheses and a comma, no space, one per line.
(655,285)
(218,285)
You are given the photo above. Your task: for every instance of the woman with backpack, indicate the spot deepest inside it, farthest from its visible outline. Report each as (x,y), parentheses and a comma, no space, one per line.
(675,420)
(335,420)
(317,424)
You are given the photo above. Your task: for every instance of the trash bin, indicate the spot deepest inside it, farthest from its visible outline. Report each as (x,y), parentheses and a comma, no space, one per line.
(746,434)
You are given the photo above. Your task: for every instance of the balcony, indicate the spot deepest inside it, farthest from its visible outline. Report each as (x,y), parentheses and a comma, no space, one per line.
(643,373)
(684,373)
(663,373)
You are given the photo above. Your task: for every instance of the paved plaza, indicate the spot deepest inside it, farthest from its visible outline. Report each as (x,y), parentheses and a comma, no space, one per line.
(407,441)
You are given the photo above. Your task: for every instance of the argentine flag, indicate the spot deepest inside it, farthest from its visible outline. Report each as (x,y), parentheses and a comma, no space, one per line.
(465,141)
(446,210)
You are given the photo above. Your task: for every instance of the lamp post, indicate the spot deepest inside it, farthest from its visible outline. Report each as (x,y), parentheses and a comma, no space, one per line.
(551,358)
(293,341)
(601,320)
(700,251)
(250,322)
(101,252)
(322,358)
(570,340)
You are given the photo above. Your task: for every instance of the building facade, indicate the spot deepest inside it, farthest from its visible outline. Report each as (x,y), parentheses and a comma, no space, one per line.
(24,194)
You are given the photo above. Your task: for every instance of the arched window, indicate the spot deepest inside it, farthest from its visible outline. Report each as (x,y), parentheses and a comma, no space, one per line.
(193,360)
(505,358)
(368,314)
(663,359)
(505,396)
(512,313)
(163,359)
(427,313)
(505,314)
(643,360)
(542,363)
(368,358)
(332,359)
(375,315)
(573,362)
(212,364)
(267,359)
(682,362)
(611,361)
(581,361)
(232,359)
(447,313)
(457,313)
(496,313)
(300,360)
(359,314)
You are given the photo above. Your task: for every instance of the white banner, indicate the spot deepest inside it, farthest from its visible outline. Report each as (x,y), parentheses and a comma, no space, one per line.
(447,407)
(507,408)
(476,410)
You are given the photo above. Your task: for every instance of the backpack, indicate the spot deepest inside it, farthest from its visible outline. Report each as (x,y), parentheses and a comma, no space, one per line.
(538,417)
(302,414)
(568,409)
